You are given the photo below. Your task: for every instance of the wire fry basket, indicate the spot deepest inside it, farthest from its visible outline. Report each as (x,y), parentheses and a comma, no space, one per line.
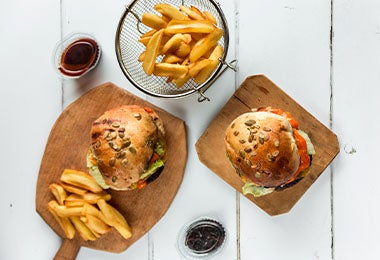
(128,49)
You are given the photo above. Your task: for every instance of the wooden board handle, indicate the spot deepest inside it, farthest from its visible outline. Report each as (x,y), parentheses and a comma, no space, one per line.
(68,250)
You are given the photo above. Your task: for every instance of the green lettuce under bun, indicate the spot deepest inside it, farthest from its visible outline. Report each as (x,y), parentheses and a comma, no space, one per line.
(94,170)
(256,191)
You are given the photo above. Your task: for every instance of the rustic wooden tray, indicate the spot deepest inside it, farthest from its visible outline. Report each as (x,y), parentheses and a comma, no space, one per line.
(259,91)
(67,147)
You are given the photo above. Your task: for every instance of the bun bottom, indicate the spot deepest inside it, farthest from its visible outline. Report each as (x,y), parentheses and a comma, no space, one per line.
(258,191)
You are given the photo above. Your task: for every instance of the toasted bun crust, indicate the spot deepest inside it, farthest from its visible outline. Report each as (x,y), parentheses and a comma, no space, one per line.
(261,147)
(122,142)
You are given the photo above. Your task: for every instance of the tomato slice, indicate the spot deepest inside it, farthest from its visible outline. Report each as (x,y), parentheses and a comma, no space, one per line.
(141,184)
(300,141)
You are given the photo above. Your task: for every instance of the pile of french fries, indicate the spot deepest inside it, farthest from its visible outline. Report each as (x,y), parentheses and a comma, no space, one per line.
(81,205)
(185,38)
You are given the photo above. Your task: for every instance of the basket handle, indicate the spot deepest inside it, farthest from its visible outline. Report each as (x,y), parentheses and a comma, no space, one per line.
(228,65)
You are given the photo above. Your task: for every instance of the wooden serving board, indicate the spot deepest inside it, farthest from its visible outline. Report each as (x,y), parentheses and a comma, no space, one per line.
(259,91)
(67,146)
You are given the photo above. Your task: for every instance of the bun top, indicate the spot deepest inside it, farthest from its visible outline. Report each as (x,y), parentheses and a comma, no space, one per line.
(122,142)
(261,147)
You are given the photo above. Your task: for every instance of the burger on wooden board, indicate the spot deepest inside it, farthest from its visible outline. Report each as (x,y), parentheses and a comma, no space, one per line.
(267,150)
(128,148)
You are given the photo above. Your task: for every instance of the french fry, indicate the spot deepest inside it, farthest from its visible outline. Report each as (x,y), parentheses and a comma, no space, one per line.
(73,189)
(64,211)
(210,17)
(166,18)
(151,52)
(95,224)
(83,230)
(173,43)
(198,66)
(202,46)
(171,58)
(186,61)
(148,33)
(216,53)
(170,11)
(141,57)
(59,192)
(124,231)
(183,50)
(170,70)
(115,219)
(189,26)
(85,221)
(145,40)
(205,73)
(80,179)
(78,212)
(198,36)
(179,82)
(73,204)
(153,21)
(88,197)
(199,12)
(187,38)
(63,222)
(193,14)
(208,53)
(120,218)
(90,209)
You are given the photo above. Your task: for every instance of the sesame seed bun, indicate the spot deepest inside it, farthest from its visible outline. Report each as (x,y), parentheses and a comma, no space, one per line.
(123,141)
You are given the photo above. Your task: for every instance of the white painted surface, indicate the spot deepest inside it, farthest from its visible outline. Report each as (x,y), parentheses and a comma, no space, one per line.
(335,78)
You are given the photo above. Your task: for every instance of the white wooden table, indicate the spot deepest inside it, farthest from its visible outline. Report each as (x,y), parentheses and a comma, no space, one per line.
(325,54)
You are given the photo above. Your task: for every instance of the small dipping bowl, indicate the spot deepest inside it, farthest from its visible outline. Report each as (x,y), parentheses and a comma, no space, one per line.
(76,55)
(202,238)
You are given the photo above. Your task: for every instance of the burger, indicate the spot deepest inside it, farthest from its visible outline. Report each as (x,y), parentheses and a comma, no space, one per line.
(267,150)
(128,148)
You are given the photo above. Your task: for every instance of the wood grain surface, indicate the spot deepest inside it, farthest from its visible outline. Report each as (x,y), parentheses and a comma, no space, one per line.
(258,91)
(67,146)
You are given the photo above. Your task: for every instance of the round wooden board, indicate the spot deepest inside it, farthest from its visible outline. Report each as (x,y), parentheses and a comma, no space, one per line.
(258,91)
(67,146)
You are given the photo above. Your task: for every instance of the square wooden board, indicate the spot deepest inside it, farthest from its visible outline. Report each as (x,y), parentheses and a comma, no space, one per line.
(258,91)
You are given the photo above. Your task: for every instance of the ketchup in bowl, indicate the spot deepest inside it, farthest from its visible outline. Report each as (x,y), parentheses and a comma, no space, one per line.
(77,55)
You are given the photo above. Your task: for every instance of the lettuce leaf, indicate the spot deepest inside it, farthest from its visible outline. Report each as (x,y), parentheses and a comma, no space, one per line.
(256,191)
(309,144)
(95,172)
(152,169)
(159,149)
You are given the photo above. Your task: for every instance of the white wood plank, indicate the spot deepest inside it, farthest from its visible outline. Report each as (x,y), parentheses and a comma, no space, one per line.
(30,102)
(356,97)
(202,193)
(99,18)
(288,41)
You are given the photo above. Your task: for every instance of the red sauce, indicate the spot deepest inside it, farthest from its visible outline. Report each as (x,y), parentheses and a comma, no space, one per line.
(79,57)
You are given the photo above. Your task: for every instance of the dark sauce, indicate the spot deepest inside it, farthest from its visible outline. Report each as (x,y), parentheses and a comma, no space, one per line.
(79,57)
(155,175)
(205,236)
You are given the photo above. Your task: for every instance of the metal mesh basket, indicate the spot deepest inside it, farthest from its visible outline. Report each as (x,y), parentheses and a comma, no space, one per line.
(128,49)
